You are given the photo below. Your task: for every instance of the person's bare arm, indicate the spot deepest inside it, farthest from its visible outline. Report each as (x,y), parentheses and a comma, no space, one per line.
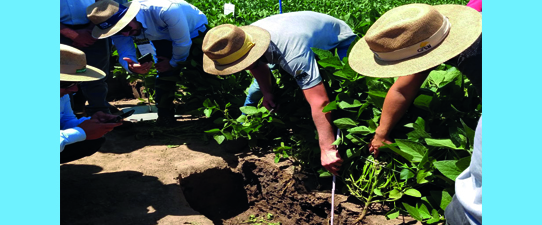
(318,99)
(263,75)
(398,99)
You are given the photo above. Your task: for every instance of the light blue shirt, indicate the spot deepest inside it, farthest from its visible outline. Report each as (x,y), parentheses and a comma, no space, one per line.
(292,36)
(176,21)
(69,130)
(74,12)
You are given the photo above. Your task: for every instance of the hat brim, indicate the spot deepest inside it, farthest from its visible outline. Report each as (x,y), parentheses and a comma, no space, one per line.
(92,73)
(261,39)
(133,9)
(466,27)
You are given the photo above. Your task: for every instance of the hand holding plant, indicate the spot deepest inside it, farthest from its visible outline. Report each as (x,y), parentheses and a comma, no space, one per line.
(377,142)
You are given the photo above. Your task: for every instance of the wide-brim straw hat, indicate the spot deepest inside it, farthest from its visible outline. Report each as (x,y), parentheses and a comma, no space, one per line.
(229,49)
(415,29)
(101,11)
(73,66)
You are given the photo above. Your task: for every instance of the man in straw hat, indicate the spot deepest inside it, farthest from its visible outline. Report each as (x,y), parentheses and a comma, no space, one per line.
(170,25)
(79,137)
(284,40)
(75,30)
(407,42)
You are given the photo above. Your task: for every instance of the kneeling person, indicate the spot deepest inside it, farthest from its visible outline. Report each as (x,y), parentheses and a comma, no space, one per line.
(79,137)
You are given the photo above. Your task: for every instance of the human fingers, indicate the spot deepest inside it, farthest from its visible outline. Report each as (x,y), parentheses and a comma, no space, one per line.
(128,60)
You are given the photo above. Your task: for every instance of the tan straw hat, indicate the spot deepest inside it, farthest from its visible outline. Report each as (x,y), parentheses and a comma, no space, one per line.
(413,38)
(229,49)
(73,66)
(110,17)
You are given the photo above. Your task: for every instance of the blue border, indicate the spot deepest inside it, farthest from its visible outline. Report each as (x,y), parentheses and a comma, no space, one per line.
(28,159)
(511,111)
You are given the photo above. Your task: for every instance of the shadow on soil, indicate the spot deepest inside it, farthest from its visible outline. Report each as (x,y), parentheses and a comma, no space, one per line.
(126,197)
(147,133)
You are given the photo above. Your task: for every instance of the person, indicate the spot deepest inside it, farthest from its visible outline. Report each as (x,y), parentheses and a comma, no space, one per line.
(284,40)
(430,36)
(75,30)
(84,136)
(160,27)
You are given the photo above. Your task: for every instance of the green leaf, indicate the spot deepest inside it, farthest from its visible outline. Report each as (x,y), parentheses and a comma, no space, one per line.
(249,110)
(416,150)
(470,132)
(452,168)
(350,103)
(219,138)
(406,174)
(395,194)
(213,131)
(413,192)
(241,119)
(322,54)
(393,214)
(331,62)
(412,211)
(363,130)
(377,192)
(444,198)
(435,217)
(330,107)
(422,174)
(344,123)
(207,112)
(424,212)
(398,151)
(443,143)
(423,101)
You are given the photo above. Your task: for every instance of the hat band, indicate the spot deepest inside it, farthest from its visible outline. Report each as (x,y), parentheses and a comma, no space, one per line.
(419,48)
(247,45)
(72,69)
(114,18)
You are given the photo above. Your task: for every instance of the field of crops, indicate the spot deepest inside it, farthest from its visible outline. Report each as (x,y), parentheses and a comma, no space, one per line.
(433,141)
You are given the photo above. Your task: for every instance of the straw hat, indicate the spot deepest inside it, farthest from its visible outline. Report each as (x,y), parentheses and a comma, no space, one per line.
(110,17)
(413,38)
(229,49)
(73,66)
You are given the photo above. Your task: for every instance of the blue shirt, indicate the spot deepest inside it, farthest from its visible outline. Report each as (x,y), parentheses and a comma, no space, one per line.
(74,12)
(69,130)
(176,21)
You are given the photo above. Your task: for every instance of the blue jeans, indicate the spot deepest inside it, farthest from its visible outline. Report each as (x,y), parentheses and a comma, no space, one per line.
(254,93)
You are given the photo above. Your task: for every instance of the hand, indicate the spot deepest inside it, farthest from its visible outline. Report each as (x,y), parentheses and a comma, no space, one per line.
(83,38)
(136,67)
(331,160)
(269,102)
(376,143)
(103,117)
(163,64)
(94,129)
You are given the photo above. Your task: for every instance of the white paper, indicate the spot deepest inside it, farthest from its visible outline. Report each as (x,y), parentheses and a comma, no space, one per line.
(229,8)
(146,48)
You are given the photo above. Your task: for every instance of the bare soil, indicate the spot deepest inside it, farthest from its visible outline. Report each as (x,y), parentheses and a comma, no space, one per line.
(146,175)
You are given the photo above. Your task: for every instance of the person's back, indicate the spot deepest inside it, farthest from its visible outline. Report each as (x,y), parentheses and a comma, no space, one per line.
(298,31)
(292,36)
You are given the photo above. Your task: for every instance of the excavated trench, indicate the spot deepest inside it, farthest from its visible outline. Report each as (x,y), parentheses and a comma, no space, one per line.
(258,188)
